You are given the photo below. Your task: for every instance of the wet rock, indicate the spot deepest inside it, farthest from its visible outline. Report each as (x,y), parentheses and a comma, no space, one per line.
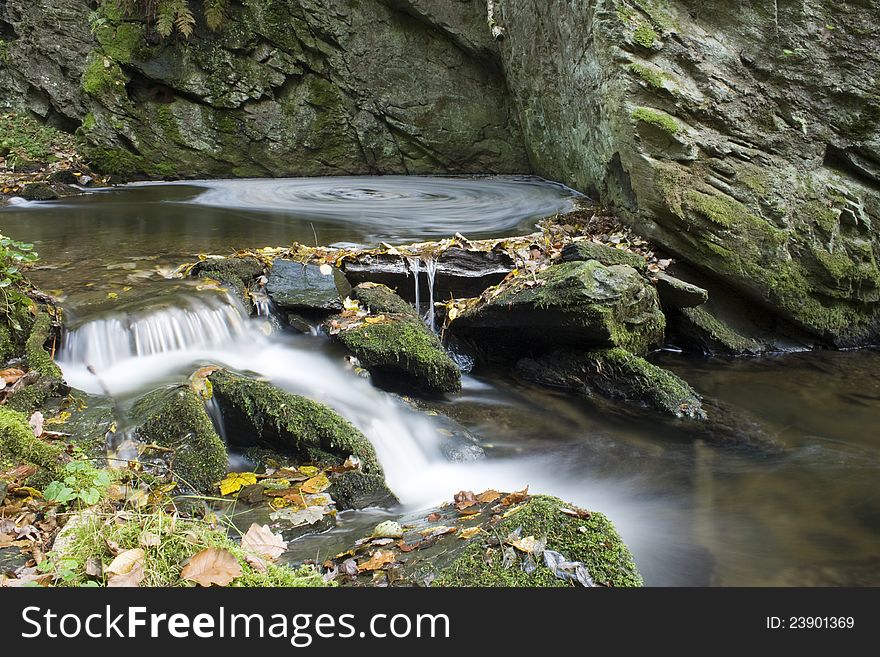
(701,330)
(460,273)
(294,285)
(256,413)
(580,536)
(38,192)
(580,304)
(400,346)
(607,255)
(676,293)
(177,419)
(234,273)
(64,177)
(617,375)
(380,298)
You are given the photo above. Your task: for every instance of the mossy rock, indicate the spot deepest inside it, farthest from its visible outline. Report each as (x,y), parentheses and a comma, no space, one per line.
(234,273)
(618,375)
(18,443)
(583,250)
(38,191)
(701,330)
(401,346)
(585,304)
(50,382)
(676,293)
(592,540)
(257,414)
(378,299)
(176,418)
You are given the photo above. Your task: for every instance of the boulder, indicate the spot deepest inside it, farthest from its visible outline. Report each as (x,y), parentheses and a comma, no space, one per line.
(618,375)
(176,419)
(38,191)
(607,255)
(378,298)
(459,273)
(400,346)
(297,286)
(700,330)
(18,444)
(235,273)
(676,293)
(583,304)
(578,536)
(47,378)
(256,413)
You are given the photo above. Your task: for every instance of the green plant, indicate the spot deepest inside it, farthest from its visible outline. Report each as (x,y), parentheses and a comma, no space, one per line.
(63,569)
(168,16)
(83,482)
(13,256)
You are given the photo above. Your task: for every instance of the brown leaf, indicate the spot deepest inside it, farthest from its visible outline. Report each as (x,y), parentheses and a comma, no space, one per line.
(515,498)
(488,496)
(470,532)
(112,547)
(131,579)
(11,374)
(149,539)
(212,566)
(260,541)
(464,499)
(377,560)
(94,567)
(576,512)
(125,562)
(316,484)
(433,517)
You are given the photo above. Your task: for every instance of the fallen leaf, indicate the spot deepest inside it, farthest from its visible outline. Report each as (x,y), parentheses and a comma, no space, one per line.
(576,512)
(112,547)
(308,516)
(388,529)
(515,498)
(11,374)
(377,560)
(464,499)
(349,567)
(125,562)
(149,539)
(470,532)
(212,566)
(488,496)
(433,517)
(259,540)
(316,484)
(131,579)
(438,531)
(235,481)
(374,320)
(309,470)
(36,423)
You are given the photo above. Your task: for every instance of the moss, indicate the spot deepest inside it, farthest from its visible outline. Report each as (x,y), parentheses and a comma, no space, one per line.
(102,75)
(593,541)
(645,36)
(177,419)
(380,298)
(256,412)
(616,374)
(710,332)
(180,540)
(825,216)
(114,161)
(17,442)
(652,76)
(607,255)
(35,351)
(123,42)
(167,122)
(657,119)
(401,344)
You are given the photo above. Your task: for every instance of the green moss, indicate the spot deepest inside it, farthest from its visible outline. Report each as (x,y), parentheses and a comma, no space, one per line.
(824,215)
(18,443)
(123,42)
(37,356)
(593,541)
(181,539)
(657,119)
(167,122)
(706,329)
(403,345)
(645,36)
(380,298)
(607,255)
(176,419)
(114,161)
(102,75)
(4,52)
(256,412)
(652,76)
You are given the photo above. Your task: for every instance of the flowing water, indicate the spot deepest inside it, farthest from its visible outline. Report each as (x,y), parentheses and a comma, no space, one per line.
(693,514)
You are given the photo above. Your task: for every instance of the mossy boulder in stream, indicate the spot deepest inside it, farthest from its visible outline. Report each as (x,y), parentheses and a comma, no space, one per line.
(574,303)
(235,273)
(256,413)
(587,537)
(177,419)
(17,442)
(378,298)
(618,375)
(48,381)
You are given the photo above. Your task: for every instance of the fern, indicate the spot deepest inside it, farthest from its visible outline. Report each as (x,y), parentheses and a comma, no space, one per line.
(215,13)
(166,11)
(170,16)
(184,19)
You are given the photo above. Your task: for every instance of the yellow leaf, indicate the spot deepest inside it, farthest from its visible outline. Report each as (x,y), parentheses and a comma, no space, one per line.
(316,484)
(377,560)
(212,566)
(349,304)
(235,481)
(470,532)
(309,470)
(375,320)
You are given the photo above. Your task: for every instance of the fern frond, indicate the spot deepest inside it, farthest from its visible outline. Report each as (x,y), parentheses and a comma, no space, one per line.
(166,11)
(184,20)
(215,13)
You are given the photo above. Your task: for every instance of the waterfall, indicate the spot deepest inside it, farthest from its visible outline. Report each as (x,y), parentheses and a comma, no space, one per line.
(430,271)
(414,266)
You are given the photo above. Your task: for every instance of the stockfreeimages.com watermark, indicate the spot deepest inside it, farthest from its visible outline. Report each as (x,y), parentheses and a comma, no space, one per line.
(299,629)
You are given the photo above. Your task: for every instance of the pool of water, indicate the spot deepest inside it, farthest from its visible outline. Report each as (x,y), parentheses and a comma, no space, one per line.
(693,514)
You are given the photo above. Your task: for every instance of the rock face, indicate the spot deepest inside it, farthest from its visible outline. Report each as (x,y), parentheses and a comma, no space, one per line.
(744,137)
(285,88)
(574,303)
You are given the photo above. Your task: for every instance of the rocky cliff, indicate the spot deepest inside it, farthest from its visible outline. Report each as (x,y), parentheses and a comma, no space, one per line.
(743,137)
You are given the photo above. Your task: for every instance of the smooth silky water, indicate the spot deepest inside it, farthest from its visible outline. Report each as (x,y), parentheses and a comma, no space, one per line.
(693,514)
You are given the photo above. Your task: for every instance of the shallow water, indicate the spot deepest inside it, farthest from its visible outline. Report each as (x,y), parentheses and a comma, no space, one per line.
(693,514)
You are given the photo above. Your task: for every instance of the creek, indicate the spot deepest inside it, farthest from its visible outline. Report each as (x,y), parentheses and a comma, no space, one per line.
(693,514)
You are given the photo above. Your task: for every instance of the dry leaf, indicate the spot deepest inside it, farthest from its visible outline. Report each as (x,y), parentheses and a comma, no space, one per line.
(212,566)
(470,532)
(514,498)
(11,374)
(131,579)
(433,517)
(112,547)
(125,561)
(149,539)
(488,496)
(260,541)
(94,567)
(316,484)
(377,560)
(464,499)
